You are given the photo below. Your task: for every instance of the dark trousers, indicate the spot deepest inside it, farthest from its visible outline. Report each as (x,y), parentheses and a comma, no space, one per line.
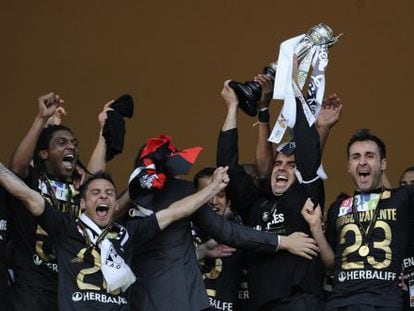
(28,298)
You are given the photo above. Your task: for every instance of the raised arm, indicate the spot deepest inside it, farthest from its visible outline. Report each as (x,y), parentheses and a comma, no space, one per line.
(23,155)
(97,162)
(188,205)
(16,187)
(232,104)
(313,216)
(264,149)
(328,116)
(228,155)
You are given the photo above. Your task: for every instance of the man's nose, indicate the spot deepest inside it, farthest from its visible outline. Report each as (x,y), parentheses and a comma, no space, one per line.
(213,201)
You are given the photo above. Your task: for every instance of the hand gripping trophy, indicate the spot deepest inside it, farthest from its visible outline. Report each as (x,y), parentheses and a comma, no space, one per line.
(296,55)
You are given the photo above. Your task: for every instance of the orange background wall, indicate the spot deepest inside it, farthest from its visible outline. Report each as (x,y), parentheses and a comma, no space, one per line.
(173,57)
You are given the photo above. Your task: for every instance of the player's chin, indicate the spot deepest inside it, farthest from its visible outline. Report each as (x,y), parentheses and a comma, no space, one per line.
(102,221)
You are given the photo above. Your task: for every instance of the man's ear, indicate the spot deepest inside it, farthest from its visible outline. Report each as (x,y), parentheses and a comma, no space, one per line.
(43,154)
(383,164)
(82,204)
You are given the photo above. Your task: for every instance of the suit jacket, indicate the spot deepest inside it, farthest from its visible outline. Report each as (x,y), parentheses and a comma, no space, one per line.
(167,270)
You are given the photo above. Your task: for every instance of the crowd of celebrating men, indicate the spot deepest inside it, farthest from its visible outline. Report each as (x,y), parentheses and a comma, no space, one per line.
(240,237)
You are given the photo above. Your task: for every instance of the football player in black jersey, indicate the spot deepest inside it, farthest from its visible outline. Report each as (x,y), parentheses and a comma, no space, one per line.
(54,152)
(93,252)
(367,234)
(286,281)
(223,270)
(407,178)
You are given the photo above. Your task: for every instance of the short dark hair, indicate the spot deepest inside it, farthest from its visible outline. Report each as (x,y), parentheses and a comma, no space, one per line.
(95,176)
(408,169)
(205,172)
(364,135)
(44,140)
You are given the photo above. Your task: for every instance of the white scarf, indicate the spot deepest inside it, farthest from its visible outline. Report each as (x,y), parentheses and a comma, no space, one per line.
(116,272)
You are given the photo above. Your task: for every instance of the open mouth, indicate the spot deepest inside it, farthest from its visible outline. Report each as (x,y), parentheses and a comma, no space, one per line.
(281,178)
(363,176)
(69,160)
(102,210)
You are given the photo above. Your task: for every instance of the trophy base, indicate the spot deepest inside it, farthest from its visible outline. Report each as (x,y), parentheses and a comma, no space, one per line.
(248,94)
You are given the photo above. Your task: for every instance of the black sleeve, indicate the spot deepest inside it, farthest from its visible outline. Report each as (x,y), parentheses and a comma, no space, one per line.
(308,155)
(232,234)
(54,222)
(330,228)
(241,190)
(228,149)
(143,229)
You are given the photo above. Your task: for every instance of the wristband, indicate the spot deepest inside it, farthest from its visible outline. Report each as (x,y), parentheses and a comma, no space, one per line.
(264,115)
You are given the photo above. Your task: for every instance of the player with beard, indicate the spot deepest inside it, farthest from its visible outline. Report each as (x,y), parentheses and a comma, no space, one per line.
(94,252)
(54,152)
(285,281)
(367,234)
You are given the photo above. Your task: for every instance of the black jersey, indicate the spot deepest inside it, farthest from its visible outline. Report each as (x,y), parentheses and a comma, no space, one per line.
(243,296)
(34,257)
(222,277)
(278,276)
(408,273)
(370,279)
(81,283)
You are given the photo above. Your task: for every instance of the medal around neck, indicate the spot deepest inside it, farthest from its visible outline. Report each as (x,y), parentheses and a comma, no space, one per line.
(363,251)
(249,92)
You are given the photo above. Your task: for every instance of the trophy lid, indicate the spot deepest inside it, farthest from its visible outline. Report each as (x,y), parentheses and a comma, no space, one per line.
(322,34)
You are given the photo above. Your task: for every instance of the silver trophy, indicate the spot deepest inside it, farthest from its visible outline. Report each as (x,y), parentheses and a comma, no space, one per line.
(250,92)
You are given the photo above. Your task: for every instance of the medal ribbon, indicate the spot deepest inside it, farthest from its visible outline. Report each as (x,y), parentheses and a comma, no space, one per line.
(54,200)
(366,233)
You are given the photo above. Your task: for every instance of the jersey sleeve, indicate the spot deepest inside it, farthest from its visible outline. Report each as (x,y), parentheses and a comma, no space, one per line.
(143,229)
(330,226)
(241,190)
(308,155)
(54,222)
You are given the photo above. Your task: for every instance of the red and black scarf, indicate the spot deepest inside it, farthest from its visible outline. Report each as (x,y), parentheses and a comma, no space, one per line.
(158,161)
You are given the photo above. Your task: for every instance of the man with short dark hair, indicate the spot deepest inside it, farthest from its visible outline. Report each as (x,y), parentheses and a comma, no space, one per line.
(94,253)
(54,151)
(222,266)
(367,234)
(407,177)
(286,281)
